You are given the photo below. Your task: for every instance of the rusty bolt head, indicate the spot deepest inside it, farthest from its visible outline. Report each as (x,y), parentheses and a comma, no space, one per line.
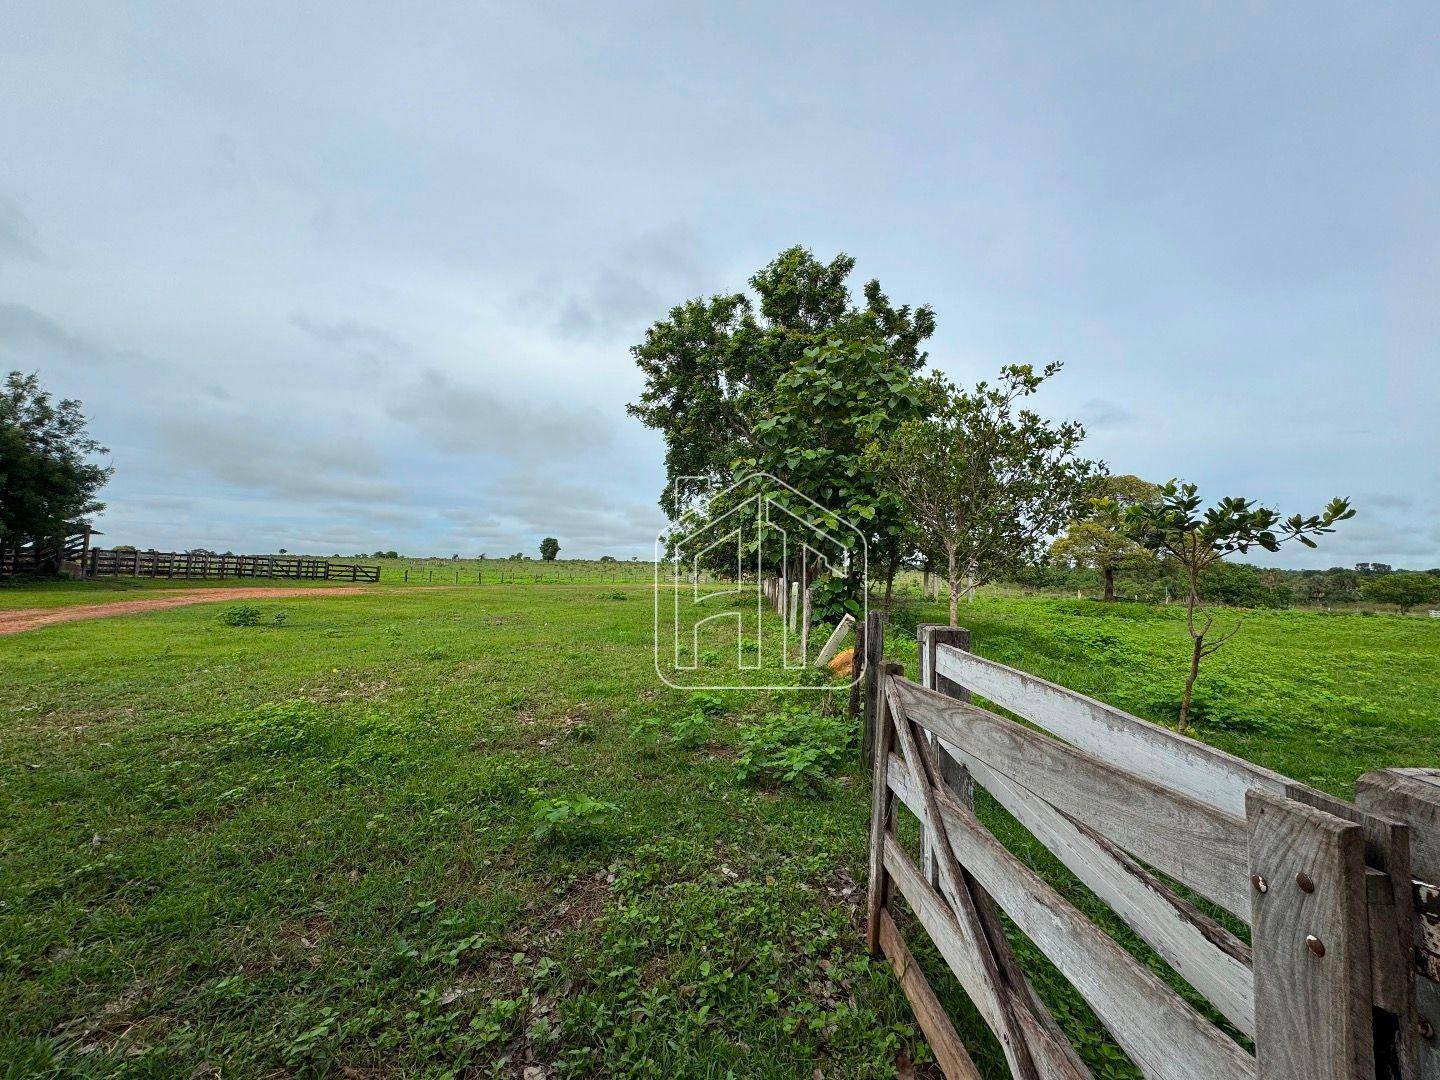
(1427,1029)
(1303,880)
(1315,945)
(1261,885)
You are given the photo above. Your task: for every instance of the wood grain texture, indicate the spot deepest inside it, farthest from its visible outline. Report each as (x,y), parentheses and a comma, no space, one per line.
(1312,949)
(1162,1034)
(1053,1056)
(1183,764)
(924,770)
(950,1053)
(1187,839)
(1413,797)
(1204,953)
(881,817)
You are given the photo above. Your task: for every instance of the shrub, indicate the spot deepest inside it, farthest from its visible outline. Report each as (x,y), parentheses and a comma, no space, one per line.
(570,817)
(687,732)
(240,615)
(794,748)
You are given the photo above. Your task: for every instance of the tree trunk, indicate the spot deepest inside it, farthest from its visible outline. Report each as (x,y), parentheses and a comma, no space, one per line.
(1190,684)
(1109,573)
(954,581)
(889,588)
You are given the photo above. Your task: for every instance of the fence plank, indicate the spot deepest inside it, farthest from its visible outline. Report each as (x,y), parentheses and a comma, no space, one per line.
(1052,1054)
(1311,939)
(1163,1035)
(1149,750)
(924,772)
(950,1052)
(1202,951)
(1180,836)
(882,815)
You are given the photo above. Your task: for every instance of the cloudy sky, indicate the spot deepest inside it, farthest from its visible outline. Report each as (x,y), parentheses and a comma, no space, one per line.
(365,276)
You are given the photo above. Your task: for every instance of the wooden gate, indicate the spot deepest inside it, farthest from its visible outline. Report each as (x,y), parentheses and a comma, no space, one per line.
(1149,820)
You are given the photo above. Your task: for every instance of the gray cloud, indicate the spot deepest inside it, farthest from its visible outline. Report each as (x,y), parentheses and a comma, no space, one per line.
(348,332)
(459,419)
(1099,414)
(28,336)
(652,272)
(267,457)
(399,290)
(19,239)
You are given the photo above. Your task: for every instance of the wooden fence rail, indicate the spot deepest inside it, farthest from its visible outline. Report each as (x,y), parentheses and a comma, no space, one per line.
(108,562)
(1337,980)
(44,556)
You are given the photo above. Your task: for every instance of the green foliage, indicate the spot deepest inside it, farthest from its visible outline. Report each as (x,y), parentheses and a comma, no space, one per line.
(549,548)
(794,747)
(1240,585)
(688,731)
(1176,529)
(47,478)
(570,817)
(257,835)
(1404,590)
(983,481)
(708,704)
(712,367)
(239,615)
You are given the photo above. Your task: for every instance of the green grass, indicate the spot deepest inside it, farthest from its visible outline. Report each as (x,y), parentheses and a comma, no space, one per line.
(312,847)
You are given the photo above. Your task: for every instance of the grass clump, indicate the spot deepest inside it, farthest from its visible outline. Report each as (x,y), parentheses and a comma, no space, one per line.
(570,817)
(795,747)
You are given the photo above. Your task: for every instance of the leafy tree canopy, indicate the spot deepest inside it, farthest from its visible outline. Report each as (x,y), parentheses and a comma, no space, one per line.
(1404,590)
(984,480)
(713,367)
(48,481)
(549,548)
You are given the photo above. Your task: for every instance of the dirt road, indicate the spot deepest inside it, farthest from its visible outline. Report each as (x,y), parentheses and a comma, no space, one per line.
(15,622)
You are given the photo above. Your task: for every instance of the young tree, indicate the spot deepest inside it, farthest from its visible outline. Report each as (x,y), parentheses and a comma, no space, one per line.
(1404,590)
(1176,529)
(48,481)
(1095,545)
(549,548)
(984,481)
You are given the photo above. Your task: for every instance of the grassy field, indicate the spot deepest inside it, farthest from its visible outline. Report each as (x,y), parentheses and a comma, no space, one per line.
(313,847)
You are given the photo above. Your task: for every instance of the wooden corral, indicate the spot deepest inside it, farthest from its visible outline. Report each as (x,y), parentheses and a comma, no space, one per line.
(106,562)
(1337,981)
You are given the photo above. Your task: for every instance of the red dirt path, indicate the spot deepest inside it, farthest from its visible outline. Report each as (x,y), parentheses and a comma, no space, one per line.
(14,622)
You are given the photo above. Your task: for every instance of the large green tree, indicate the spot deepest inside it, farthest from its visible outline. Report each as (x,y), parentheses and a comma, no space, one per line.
(549,548)
(1096,545)
(48,475)
(984,481)
(1176,529)
(712,366)
(792,381)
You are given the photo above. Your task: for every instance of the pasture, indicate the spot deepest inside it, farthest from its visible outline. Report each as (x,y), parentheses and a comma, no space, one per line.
(465,830)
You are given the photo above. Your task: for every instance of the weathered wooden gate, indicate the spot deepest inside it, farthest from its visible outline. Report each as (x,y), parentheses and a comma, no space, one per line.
(1341,933)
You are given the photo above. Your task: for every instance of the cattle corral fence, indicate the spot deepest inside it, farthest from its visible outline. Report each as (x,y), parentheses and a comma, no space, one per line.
(110,562)
(1338,978)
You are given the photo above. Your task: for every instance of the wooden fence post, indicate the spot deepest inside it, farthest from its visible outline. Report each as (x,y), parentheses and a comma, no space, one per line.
(1310,924)
(1412,796)
(874,644)
(953,774)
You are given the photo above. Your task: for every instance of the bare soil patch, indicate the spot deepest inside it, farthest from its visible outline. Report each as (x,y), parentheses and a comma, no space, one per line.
(18,621)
